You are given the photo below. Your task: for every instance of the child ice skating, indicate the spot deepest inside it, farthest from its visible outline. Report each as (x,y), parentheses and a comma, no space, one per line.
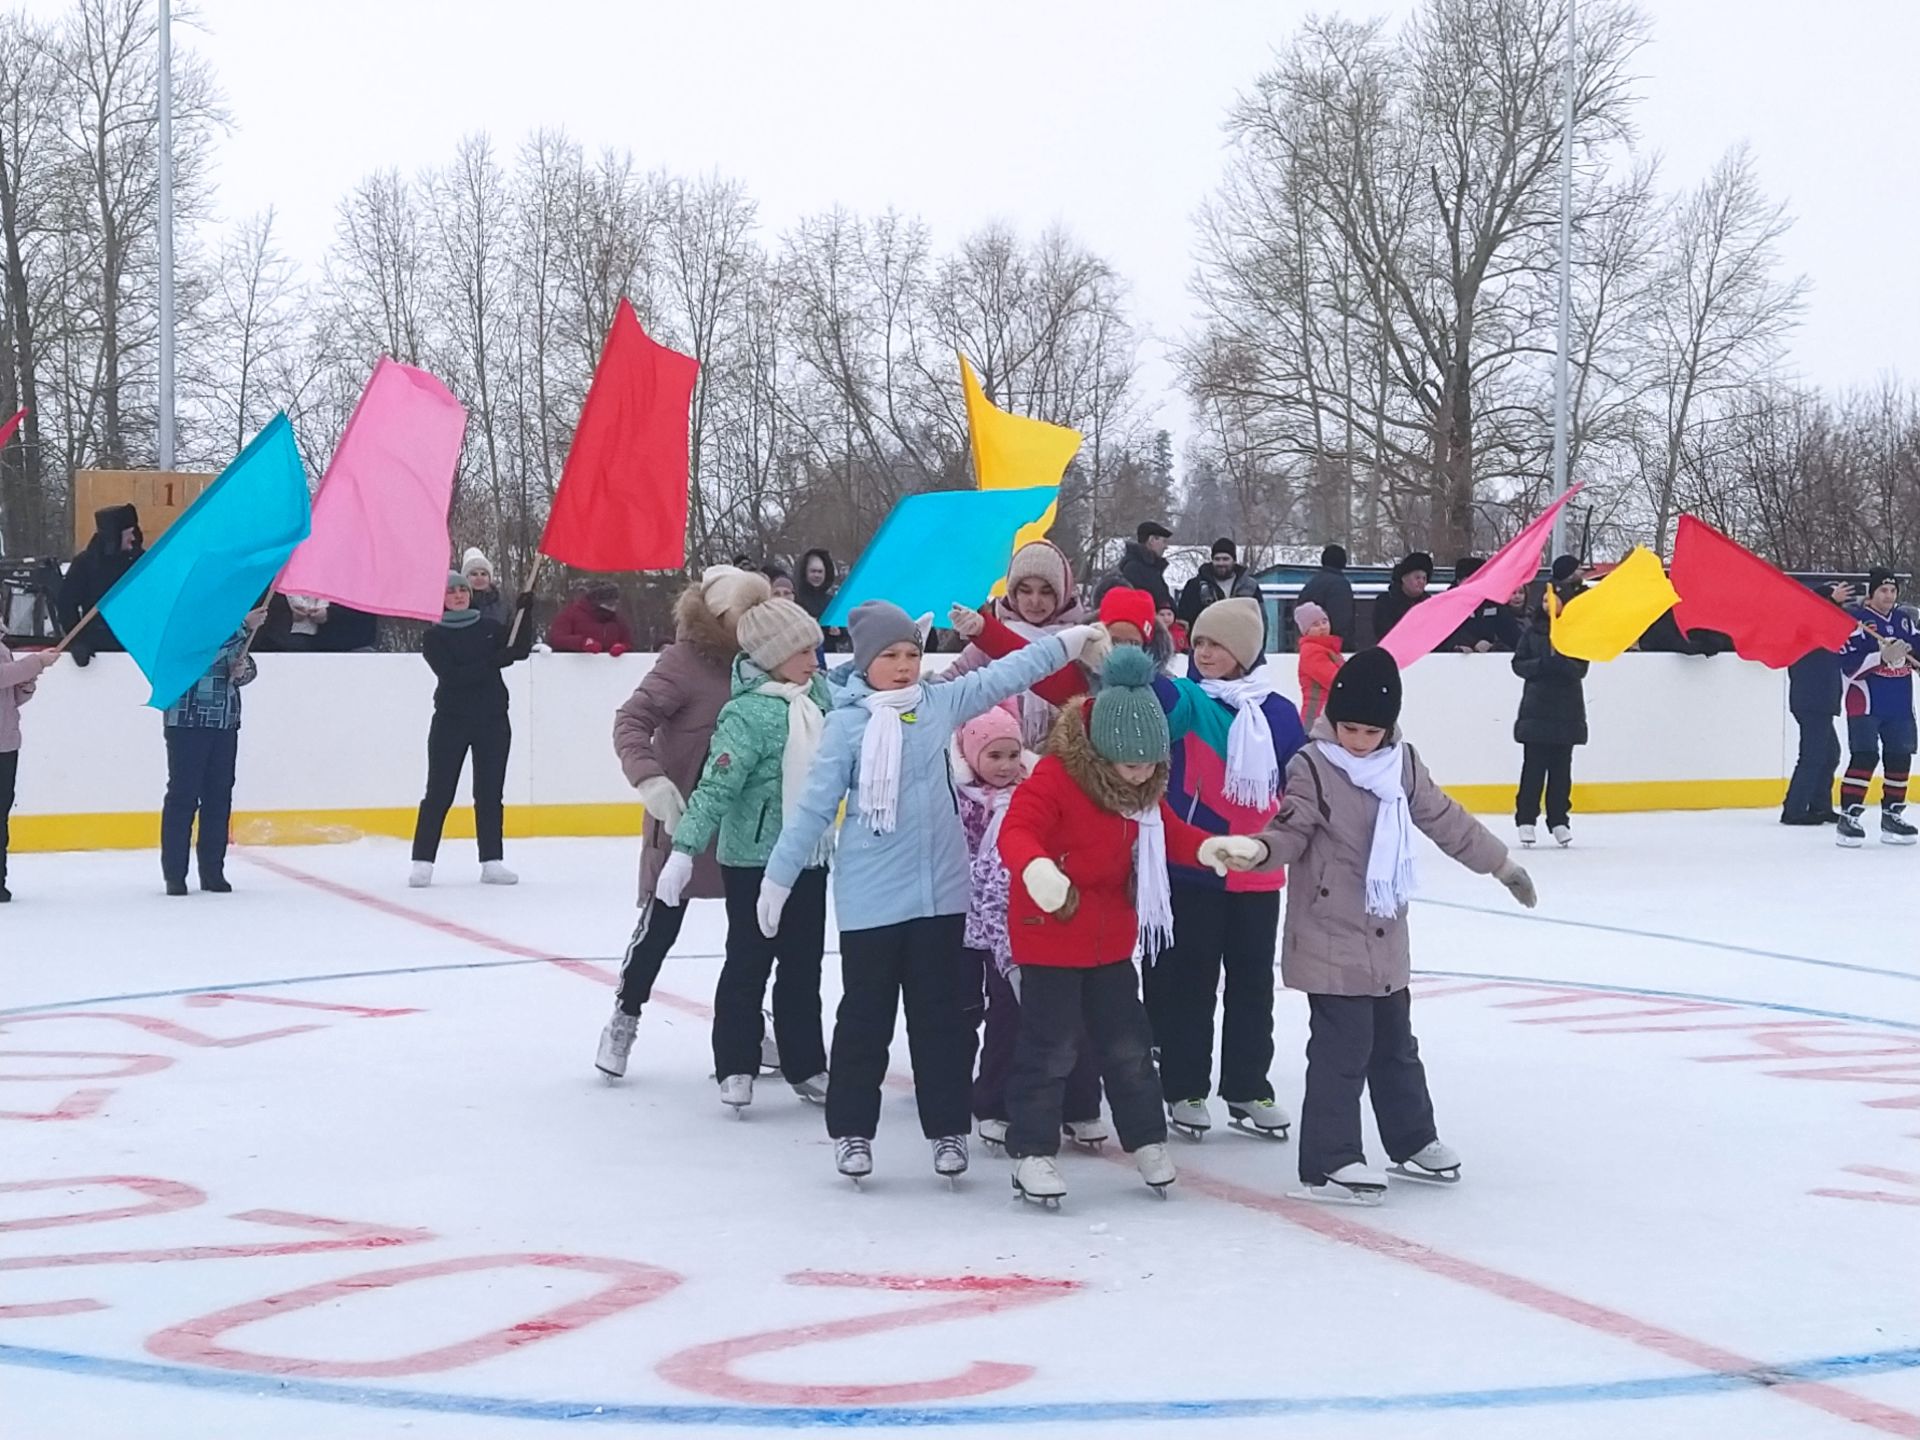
(1552,718)
(762,749)
(19,674)
(1088,838)
(900,873)
(1354,797)
(1040,600)
(1878,665)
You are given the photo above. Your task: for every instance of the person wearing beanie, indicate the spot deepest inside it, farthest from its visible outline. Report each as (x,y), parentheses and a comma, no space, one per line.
(1329,588)
(468,651)
(900,884)
(1319,658)
(1233,736)
(1406,588)
(484,584)
(661,734)
(1088,839)
(19,676)
(763,746)
(1357,793)
(1877,665)
(591,624)
(1143,563)
(1040,599)
(1551,722)
(1221,578)
(1493,626)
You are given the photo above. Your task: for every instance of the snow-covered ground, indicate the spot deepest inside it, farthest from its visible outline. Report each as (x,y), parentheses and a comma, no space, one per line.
(329,1158)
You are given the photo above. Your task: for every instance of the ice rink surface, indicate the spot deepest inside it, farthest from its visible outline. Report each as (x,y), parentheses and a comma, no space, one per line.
(329,1158)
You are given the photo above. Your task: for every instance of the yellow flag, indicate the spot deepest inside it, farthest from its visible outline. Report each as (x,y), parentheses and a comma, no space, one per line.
(1014,452)
(1600,623)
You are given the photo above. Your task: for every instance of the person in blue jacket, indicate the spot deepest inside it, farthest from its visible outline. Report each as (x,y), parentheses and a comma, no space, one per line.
(1813,697)
(900,873)
(1878,666)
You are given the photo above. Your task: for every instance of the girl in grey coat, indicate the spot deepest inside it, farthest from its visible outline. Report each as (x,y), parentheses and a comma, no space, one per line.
(1355,794)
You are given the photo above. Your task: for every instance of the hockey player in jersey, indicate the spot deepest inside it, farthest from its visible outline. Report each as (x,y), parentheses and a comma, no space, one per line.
(1878,665)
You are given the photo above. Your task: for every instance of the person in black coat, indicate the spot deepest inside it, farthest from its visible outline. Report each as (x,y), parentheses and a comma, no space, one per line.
(467,651)
(1144,563)
(1552,720)
(1813,695)
(1329,588)
(1222,578)
(813,587)
(1492,627)
(1406,589)
(116,544)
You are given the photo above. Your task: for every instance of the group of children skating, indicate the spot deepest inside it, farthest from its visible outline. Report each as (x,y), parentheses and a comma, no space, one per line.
(983,889)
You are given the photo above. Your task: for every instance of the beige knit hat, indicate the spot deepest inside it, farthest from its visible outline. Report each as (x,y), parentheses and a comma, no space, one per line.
(776,630)
(729,590)
(1236,624)
(1042,560)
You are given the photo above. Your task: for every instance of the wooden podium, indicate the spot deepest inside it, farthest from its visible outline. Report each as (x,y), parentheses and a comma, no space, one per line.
(161,496)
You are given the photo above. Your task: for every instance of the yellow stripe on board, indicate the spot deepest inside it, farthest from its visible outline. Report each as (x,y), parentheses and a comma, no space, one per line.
(141,830)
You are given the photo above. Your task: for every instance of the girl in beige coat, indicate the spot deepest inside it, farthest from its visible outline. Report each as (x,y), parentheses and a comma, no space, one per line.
(1355,795)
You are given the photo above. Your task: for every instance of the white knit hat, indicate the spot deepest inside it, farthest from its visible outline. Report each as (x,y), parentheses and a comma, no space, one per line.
(776,630)
(729,590)
(476,559)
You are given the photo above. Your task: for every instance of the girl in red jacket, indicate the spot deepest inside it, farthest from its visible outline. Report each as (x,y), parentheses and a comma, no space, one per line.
(1087,840)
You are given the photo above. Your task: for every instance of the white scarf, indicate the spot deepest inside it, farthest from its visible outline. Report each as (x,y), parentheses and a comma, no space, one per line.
(996,801)
(880,756)
(1390,860)
(806,723)
(1253,771)
(1152,890)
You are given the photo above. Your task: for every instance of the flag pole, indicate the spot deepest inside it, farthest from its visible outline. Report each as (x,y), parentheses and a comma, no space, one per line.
(68,638)
(533,578)
(166,236)
(1560,384)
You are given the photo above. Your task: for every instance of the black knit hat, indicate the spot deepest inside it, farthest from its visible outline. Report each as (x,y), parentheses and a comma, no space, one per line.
(1333,557)
(1465,566)
(1880,575)
(1223,546)
(1366,691)
(1563,567)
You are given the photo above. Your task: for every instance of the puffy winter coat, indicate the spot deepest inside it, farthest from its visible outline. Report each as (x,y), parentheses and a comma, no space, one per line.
(17,681)
(467,662)
(1330,945)
(95,571)
(664,726)
(584,627)
(1553,704)
(1333,593)
(1146,571)
(739,794)
(1207,588)
(1391,608)
(1197,779)
(1320,662)
(1072,810)
(919,868)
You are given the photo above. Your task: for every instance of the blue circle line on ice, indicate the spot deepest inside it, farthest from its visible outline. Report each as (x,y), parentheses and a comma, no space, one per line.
(872,1417)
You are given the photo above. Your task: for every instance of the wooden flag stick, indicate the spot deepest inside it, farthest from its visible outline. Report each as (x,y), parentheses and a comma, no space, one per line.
(68,638)
(533,579)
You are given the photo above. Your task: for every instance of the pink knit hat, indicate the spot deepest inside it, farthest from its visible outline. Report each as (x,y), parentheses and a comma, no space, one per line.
(999,723)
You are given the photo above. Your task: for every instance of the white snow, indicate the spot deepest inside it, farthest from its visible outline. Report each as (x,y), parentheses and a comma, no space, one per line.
(1638,1230)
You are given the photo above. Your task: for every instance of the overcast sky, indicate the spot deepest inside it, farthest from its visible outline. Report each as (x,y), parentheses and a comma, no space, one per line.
(1104,116)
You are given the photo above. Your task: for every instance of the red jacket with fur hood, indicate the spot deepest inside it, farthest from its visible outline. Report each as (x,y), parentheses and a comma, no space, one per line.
(1072,810)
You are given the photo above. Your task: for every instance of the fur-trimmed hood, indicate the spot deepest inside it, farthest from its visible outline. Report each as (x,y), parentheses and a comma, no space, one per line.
(1069,742)
(696,625)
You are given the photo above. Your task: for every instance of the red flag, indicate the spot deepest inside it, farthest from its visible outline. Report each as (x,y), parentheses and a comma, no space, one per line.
(622,499)
(9,426)
(1772,618)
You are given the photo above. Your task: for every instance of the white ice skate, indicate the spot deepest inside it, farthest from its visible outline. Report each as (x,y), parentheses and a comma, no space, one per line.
(853,1157)
(1264,1118)
(1190,1118)
(1851,832)
(493,872)
(813,1091)
(769,1050)
(737,1091)
(1156,1167)
(1355,1184)
(1088,1134)
(1895,828)
(421,876)
(1037,1179)
(1528,835)
(1436,1164)
(993,1134)
(616,1042)
(1562,836)
(950,1157)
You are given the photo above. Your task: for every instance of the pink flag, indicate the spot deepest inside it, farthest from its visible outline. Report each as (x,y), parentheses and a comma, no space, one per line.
(1513,564)
(379,539)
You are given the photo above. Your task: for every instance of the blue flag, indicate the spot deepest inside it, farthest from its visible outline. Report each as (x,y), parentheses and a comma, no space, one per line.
(940,549)
(182,600)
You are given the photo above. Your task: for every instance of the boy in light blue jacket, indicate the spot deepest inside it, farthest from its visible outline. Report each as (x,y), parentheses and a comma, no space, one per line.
(900,873)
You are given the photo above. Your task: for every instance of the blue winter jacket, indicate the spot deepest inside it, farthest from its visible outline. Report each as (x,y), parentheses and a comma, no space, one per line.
(919,868)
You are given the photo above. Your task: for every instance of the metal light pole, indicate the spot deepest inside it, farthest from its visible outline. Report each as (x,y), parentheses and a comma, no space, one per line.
(1560,383)
(166,235)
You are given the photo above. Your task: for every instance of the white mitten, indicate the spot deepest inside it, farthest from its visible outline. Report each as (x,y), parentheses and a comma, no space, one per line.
(1221,853)
(674,876)
(773,899)
(663,801)
(1094,653)
(1519,884)
(966,622)
(1076,639)
(1047,883)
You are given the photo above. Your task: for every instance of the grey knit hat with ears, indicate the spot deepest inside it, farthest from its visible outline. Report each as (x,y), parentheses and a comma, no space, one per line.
(875,625)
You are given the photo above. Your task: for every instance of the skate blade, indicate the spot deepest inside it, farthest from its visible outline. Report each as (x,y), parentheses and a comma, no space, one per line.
(1898,839)
(1195,1133)
(739,1111)
(1425,1177)
(1045,1202)
(1247,1127)
(1850,842)
(1332,1194)
(1160,1190)
(610,1076)
(1092,1147)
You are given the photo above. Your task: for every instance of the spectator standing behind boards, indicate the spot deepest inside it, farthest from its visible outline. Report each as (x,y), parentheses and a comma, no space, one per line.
(18,676)
(591,623)
(1491,627)
(1319,659)
(1813,696)
(116,544)
(1329,588)
(1406,589)
(1221,578)
(813,588)
(483,585)
(1144,563)
(203,749)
